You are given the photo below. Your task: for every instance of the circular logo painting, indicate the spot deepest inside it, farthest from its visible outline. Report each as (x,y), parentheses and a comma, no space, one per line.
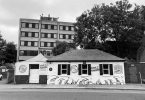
(22,68)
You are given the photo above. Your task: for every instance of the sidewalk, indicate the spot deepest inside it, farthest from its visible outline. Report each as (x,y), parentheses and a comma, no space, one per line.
(4,85)
(98,87)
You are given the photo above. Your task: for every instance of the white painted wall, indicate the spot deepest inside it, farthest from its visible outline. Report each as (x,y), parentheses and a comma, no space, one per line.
(94,78)
(118,77)
(22,68)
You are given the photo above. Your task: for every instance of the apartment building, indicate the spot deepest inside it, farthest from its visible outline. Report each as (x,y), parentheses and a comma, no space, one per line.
(37,36)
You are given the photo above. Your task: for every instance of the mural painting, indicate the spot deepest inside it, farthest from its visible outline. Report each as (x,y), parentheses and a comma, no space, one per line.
(87,80)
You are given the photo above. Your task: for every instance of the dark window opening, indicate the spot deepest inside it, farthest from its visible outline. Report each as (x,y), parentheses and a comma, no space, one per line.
(33,25)
(45,44)
(26,34)
(69,36)
(84,69)
(64,69)
(34,66)
(64,27)
(51,44)
(52,27)
(32,43)
(69,28)
(52,35)
(27,25)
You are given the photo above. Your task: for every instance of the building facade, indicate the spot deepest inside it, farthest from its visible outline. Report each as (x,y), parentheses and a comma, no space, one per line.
(76,67)
(37,36)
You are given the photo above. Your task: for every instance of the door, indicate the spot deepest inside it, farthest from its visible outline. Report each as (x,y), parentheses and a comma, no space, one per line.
(34,73)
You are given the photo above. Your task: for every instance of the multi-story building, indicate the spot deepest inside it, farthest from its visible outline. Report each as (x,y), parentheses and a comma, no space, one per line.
(37,36)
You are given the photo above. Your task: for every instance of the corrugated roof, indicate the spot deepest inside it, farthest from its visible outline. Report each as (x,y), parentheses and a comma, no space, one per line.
(85,55)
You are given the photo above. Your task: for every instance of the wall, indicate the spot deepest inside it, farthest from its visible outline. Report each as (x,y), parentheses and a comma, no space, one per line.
(94,78)
(22,72)
(50,70)
(134,72)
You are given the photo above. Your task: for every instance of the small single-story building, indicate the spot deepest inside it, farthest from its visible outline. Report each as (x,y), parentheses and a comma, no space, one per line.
(76,67)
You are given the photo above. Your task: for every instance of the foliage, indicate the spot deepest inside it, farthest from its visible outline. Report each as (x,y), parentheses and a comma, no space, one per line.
(11,52)
(7,51)
(119,22)
(62,47)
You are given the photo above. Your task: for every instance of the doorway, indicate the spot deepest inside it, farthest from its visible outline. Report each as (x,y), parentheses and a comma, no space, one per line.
(34,73)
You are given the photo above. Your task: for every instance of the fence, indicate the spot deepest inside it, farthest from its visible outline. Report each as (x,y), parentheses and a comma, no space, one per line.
(134,72)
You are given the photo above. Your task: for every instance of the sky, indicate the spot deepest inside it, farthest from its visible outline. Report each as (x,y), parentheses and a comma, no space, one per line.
(67,10)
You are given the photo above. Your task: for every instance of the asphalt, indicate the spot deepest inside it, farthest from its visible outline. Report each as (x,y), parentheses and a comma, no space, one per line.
(4,85)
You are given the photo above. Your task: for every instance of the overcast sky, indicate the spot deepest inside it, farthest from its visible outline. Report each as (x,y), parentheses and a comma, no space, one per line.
(67,10)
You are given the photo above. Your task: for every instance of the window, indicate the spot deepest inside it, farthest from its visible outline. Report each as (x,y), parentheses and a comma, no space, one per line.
(36,34)
(32,43)
(72,28)
(54,44)
(67,28)
(42,44)
(27,25)
(61,27)
(25,43)
(49,27)
(48,44)
(49,35)
(55,36)
(52,27)
(51,44)
(23,25)
(45,44)
(64,69)
(84,69)
(52,35)
(42,35)
(69,37)
(36,26)
(64,36)
(29,34)
(46,26)
(29,43)
(64,27)
(30,25)
(35,44)
(55,27)
(28,53)
(61,36)
(43,26)
(23,34)
(46,52)
(106,69)
(22,43)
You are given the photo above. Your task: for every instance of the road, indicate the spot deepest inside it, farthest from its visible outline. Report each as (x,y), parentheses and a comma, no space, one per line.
(70,94)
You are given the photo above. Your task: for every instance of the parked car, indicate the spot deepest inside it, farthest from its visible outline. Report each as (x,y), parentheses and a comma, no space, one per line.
(1,76)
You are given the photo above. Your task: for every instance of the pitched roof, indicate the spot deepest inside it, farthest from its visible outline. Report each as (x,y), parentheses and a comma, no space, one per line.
(85,55)
(38,58)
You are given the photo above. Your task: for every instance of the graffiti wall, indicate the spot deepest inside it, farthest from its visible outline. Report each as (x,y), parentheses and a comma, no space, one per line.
(94,79)
(50,72)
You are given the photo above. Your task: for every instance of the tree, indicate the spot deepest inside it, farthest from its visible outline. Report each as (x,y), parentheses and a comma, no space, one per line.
(62,47)
(10,52)
(115,22)
(2,50)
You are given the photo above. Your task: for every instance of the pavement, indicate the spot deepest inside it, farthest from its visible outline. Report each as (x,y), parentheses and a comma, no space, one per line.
(4,85)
